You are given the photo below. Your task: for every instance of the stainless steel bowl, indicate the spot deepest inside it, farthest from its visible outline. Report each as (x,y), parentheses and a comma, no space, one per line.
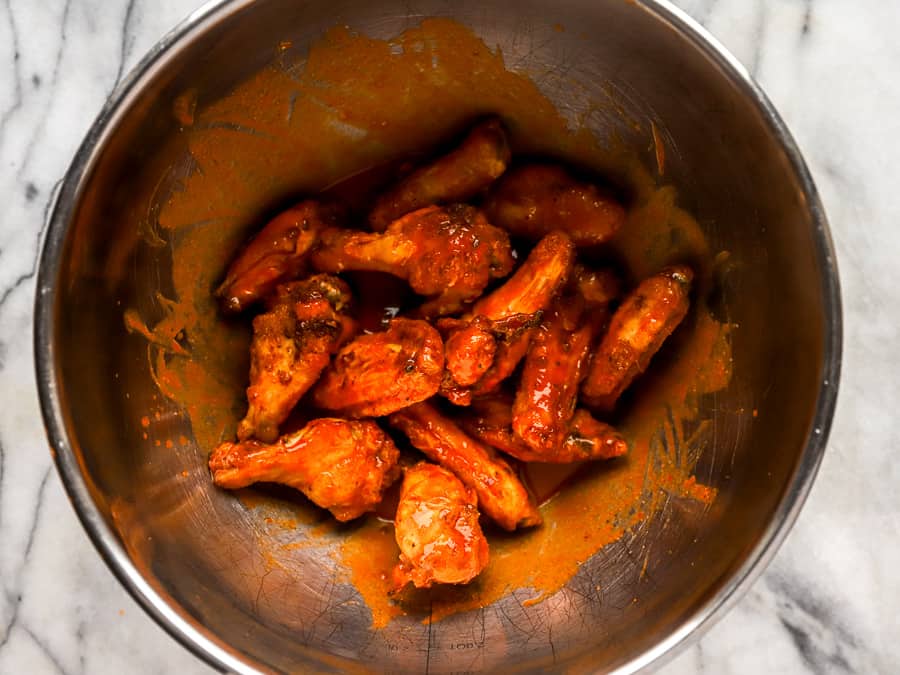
(177,544)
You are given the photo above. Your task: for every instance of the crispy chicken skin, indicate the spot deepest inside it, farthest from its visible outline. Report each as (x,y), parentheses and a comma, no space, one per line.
(448,254)
(379,373)
(539,198)
(526,293)
(455,177)
(636,332)
(292,344)
(490,420)
(437,530)
(501,495)
(276,254)
(341,465)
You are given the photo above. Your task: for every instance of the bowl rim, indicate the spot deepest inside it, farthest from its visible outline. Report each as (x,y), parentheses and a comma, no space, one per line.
(107,542)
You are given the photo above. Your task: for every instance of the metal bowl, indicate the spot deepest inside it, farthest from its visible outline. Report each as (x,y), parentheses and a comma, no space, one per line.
(193,561)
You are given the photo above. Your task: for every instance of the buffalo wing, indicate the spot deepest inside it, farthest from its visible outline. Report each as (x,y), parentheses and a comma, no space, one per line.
(490,420)
(448,254)
(553,370)
(501,494)
(636,332)
(536,199)
(343,466)
(292,344)
(455,177)
(437,530)
(275,255)
(379,373)
(557,359)
(526,293)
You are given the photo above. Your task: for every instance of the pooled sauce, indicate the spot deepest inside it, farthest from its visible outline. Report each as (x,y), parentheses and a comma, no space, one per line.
(360,108)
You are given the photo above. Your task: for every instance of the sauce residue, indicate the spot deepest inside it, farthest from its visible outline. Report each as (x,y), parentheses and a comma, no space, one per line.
(357,106)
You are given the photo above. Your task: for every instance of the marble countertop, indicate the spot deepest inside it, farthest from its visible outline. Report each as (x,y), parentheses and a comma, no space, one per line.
(829,602)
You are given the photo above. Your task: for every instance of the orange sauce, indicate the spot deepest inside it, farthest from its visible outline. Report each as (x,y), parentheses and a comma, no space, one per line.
(358,108)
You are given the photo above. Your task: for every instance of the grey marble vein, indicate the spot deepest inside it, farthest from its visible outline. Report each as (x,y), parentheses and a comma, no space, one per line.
(807,17)
(13,42)
(759,36)
(127,42)
(54,77)
(829,603)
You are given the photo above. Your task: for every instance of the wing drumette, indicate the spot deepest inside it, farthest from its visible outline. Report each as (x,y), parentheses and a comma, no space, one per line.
(276,254)
(455,177)
(636,332)
(527,292)
(490,420)
(437,530)
(292,344)
(472,348)
(379,373)
(540,198)
(447,253)
(343,466)
(501,494)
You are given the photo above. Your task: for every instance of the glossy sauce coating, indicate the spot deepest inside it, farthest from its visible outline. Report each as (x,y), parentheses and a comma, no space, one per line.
(292,344)
(553,370)
(457,176)
(478,349)
(533,285)
(528,291)
(637,330)
(437,529)
(379,373)
(447,253)
(341,465)
(586,439)
(276,254)
(501,495)
(470,351)
(536,199)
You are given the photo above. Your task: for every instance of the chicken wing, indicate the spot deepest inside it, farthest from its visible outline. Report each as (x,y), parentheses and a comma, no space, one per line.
(490,421)
(558,356)
(437,530)
(449,254)
(342,465)
(526,293)
(553,370)
(276,254)
(540,198)
(534,284)
(379,373)
(636,332)
(501,494)
(589,438)
(471,350)
(292,344)
(455,177)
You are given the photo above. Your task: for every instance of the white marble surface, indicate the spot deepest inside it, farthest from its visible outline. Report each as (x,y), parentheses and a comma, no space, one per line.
(829,603)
